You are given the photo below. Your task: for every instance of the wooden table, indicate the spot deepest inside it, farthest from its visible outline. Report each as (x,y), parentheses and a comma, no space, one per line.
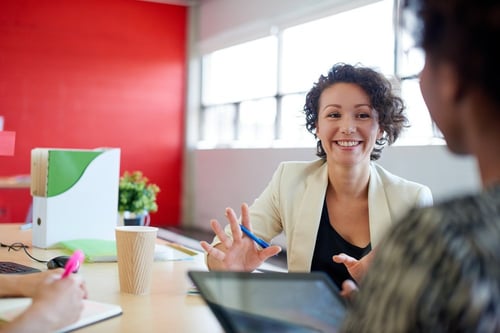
(168,308)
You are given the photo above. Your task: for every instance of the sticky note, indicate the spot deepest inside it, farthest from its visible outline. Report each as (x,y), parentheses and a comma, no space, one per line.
(7,143)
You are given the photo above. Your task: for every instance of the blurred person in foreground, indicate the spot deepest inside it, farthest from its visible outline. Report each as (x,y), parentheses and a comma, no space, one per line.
(439,271)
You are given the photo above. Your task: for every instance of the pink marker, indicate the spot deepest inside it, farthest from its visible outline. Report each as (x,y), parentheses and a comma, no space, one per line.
(73,263)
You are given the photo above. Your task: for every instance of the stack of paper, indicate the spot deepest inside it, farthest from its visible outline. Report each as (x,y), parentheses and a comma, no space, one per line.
(98,250)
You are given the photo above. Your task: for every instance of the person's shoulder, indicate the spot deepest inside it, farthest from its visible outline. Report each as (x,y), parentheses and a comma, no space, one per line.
(477,207)
(400,190)
(293,172)
(448,251)
(390,179)
(302,166)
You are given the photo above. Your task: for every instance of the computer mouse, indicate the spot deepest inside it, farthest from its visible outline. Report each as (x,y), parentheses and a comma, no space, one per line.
(57,262)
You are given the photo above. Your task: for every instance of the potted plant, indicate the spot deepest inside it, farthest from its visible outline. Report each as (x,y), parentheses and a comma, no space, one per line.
(136,198)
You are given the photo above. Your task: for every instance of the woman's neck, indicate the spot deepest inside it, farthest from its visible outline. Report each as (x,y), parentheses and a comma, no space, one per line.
(349,181)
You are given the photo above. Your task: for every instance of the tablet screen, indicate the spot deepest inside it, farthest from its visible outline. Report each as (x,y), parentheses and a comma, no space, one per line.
(274,302)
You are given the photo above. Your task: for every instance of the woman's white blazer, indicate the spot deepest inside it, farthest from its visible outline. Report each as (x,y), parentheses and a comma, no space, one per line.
(293,201)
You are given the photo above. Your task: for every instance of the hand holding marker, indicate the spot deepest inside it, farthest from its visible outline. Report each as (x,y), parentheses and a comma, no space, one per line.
(73,263)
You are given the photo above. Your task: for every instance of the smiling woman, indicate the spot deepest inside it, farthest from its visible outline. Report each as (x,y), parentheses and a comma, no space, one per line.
(347,125)
(367,89)
(340,203)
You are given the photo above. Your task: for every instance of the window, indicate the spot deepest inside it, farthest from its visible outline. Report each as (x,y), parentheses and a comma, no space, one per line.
(409,64)
(253,93)
(361,35)
(238,88)
(241,72)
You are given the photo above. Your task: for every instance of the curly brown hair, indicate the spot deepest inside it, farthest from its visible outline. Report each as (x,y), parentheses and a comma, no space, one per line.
(463,33)
(390,108)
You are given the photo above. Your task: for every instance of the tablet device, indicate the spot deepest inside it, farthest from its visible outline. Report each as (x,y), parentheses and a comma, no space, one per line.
(275,302)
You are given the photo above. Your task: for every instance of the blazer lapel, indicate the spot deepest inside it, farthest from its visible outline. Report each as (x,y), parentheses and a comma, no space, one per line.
(378,208)
(308,214)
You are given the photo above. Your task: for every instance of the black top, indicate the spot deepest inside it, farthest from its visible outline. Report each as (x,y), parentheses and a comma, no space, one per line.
(329,243)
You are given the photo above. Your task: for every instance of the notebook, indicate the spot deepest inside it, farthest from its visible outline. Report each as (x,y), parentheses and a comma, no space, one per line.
(272,302)
(93,312)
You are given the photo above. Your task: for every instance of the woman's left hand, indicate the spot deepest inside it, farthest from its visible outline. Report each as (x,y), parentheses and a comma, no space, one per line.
(356,268)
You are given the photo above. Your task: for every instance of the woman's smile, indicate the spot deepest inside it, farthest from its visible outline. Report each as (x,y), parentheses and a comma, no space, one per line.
(349,143)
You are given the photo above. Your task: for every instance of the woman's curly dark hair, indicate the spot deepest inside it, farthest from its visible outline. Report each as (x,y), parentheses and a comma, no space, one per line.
(390,108)
(463,33)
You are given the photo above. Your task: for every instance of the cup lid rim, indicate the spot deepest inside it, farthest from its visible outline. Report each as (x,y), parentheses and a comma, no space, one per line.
(135,228)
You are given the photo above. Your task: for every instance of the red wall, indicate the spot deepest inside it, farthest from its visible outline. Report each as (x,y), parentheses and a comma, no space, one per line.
(95,73)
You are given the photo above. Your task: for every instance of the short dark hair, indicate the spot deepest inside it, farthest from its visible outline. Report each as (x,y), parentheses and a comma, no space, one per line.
(465,34)
(390,108)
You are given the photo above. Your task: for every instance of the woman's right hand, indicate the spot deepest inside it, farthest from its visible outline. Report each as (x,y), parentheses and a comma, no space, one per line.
(239,253)
(28,285)
(61,299)
(57,302)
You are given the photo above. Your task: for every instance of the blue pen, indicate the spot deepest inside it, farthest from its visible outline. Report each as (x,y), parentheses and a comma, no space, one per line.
(256,239)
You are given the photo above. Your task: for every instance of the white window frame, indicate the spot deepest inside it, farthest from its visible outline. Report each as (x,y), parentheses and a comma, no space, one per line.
(232,139)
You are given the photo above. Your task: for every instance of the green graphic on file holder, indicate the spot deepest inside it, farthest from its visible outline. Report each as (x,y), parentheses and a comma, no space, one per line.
(65,169)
